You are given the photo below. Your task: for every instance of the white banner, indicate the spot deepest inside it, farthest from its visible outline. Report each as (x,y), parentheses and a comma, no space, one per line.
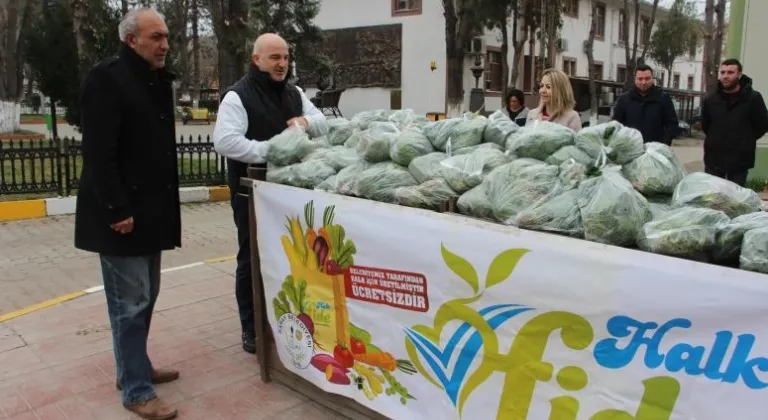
(416,314)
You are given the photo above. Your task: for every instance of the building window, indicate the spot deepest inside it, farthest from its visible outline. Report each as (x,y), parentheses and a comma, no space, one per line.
(493,74)
(598,71)
(569,66)
(623,28)
(645,30)
(406,7)
(571,8)
(690,83)
(621,74)
(600,21)
(676,81)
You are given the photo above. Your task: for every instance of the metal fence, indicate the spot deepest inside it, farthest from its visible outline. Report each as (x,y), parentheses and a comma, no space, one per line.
(45,166)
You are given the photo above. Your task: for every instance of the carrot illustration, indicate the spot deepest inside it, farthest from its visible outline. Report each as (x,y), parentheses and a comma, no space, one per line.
(324,233)
(382,360)
(311,236)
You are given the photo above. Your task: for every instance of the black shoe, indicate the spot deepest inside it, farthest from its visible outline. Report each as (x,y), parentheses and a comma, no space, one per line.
(249,343)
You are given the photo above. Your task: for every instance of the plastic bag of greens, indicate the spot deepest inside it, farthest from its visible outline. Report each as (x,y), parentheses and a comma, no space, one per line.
(290,146)
(481,146)
(463,132)
(612,211)
(354,139)
(730,236)
(303,175)
(340,157)
(476,203)
(700,189)
(571,174)
(403,118)
(337,157)
(322,142)
(380,180)
(610,142)
(344,181)
(339,131)
(491,157)
(519,185)
(659,209)
(754,251)
(364,119)
(657,171)
(593,140)
(560,214)
(685,232)
(424,168)
(498,128)
(463,172)
(410,144)
(570,152)
(429,195)
(376,141)
(539,140)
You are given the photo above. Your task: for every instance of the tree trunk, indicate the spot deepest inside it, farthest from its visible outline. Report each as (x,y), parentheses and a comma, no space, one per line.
(651,21)
(83,33)
(124,6)
(195,79)
(633,62)
(504,60)
(454,81)
(459,19)
(709,30)
(717,48)
(229,19)
(591,67)
(624,37)
(10,34)
(517,45)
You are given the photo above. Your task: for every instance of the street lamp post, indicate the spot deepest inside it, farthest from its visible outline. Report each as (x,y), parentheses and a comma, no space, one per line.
(477,95)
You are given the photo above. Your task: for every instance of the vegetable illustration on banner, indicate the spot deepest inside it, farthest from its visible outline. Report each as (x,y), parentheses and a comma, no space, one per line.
(311,307)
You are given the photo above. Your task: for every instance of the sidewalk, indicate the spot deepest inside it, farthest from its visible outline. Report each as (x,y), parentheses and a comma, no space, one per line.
(57,363)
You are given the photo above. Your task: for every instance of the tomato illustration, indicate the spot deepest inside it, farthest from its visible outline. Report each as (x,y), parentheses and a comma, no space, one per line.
(358,347)
(343,356)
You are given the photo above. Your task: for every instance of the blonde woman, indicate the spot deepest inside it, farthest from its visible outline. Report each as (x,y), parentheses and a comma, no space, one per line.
(556,101)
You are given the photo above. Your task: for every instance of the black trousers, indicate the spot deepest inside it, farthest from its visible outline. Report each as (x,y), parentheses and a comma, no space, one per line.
(243,281)
(739,178)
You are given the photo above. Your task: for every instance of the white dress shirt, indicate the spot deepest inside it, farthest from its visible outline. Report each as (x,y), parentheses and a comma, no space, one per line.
(232,123)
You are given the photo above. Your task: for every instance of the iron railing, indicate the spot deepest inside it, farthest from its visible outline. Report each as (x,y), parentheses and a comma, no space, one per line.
(43,166)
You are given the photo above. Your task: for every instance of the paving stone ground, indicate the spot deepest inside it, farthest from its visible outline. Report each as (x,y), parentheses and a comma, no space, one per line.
(57,363)
(38,260)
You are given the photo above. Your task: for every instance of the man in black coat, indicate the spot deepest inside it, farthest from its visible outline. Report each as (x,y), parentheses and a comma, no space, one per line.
(648,109)
(128,199)
(257,107)
(733,117)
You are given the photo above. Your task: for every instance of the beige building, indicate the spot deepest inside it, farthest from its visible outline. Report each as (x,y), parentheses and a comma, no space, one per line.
(755,32)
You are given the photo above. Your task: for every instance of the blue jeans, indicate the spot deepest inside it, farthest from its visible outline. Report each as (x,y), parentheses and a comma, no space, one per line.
(131,286)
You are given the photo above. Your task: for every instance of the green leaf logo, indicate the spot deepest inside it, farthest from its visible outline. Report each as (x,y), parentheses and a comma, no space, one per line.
(503,265)
(461,268)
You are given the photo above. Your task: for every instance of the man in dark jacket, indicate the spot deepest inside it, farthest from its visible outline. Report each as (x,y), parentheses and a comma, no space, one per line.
(733,117)
(648,109)
(128,200)
(257,107)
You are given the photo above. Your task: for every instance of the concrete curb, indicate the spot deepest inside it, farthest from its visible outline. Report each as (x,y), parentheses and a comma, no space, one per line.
(35,209)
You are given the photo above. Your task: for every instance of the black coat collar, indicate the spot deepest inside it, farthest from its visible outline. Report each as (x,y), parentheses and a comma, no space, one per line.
(141,67)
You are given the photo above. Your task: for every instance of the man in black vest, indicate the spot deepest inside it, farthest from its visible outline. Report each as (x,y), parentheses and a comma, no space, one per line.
(256,108)
(128,202)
